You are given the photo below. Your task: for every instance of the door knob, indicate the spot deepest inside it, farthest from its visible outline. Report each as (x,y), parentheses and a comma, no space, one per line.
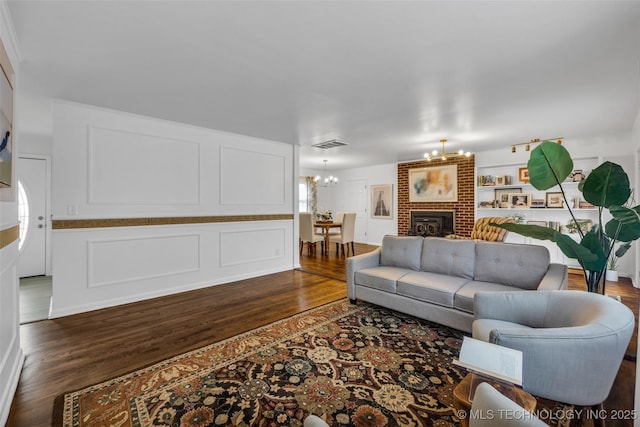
(40,217)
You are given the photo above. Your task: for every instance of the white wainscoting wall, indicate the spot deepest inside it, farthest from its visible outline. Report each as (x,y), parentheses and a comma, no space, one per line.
(11,355)
(114,165)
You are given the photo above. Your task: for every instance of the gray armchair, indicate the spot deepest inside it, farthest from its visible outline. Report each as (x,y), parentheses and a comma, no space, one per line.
(572,341)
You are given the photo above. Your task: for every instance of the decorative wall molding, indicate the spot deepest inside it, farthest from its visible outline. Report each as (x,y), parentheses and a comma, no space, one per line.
(133,259)
(240,247)
(244,175)
(151,169)
(61,224)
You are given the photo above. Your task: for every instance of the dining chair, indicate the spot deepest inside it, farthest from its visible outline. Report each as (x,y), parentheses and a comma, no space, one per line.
(347,233)
(337,219)
(307,233)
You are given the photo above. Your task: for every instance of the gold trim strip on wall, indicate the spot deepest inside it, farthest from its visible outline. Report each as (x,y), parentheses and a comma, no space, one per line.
(9,235)
(62,224)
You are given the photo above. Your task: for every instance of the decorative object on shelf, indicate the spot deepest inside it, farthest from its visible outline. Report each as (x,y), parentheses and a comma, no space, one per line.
(520,200)
(502,194)
(538,203)
(555,200)
(585,225)
(606,187)
(517,218)
(443,155)
(434,184)
(523,175)
(499,179)
(382,201)
(576,176)
(527,145)
(486,181)
(327,180)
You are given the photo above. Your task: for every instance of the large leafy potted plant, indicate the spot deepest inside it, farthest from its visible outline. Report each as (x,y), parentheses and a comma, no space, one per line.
(606,187)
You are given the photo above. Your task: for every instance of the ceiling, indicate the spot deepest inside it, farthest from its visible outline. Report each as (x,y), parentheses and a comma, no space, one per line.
(390,78)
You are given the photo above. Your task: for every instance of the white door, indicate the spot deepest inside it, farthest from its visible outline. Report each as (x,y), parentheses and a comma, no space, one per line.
(32,174)
(356,201)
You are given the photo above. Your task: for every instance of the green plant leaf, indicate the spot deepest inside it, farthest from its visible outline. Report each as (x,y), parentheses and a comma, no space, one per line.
(628,219)
(607,185)
(623,249)
(528,230)
(591,241)
(575,250)
(549,165)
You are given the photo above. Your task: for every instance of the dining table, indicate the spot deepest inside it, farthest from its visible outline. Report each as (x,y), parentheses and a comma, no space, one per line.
(326,226)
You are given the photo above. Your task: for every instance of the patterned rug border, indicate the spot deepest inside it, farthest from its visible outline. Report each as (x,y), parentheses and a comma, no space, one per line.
(333,307)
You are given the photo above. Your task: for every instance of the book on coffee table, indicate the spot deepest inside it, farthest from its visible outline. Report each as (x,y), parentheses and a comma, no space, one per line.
(495,361)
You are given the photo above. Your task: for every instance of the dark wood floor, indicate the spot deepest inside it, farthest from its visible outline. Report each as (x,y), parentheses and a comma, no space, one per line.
(75,351)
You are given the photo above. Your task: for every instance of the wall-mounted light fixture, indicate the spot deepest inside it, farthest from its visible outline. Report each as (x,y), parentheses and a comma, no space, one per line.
(527,145)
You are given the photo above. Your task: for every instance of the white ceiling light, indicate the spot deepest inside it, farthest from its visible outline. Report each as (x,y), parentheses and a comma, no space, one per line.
(443,155)
(327,180)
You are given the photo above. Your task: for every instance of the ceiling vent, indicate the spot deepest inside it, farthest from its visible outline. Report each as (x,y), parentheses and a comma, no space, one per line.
(329,144)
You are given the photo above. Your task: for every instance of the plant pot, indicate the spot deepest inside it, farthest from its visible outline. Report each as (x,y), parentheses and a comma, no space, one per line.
(612,275)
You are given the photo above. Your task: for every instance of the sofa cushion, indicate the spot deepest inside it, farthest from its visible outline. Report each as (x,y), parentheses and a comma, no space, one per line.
(464,297)
(521,266)
(430,287)
(401,251)
(448,256)
(381,278)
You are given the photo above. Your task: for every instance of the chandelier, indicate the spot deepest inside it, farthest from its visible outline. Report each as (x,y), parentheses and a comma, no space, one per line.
(443,155)
(327,180)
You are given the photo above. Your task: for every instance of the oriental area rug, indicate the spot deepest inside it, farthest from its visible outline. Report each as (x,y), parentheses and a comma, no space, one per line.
(352,365)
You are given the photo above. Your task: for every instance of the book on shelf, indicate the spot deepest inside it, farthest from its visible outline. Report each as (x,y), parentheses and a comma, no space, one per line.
(491,360)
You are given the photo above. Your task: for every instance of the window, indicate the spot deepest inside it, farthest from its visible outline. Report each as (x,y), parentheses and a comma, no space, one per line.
(303,195)
(23,214)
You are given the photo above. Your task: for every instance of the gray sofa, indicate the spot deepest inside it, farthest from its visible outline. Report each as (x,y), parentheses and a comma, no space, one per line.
(436,279)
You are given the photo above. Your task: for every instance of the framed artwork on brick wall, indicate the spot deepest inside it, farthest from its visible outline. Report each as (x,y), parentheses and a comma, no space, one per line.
(434,184)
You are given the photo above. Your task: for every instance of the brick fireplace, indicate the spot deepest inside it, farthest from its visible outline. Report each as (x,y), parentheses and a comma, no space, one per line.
(463,209)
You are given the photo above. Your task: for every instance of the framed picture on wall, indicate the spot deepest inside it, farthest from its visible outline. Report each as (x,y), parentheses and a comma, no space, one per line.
(520,200)
(555,200)
(523,175)
(434,184)
(382,201)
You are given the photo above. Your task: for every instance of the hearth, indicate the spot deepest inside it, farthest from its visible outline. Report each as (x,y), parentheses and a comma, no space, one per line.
(432,223)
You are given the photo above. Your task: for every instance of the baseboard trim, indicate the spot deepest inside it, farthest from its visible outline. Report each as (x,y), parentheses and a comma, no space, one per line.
(10,392)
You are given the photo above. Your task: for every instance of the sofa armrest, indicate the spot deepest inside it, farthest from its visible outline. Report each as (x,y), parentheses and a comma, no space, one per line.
(557,278)
(360,262)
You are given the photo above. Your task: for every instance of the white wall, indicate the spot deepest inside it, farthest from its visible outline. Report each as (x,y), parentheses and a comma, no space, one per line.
(109,164)
(335,198)
(11,356)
